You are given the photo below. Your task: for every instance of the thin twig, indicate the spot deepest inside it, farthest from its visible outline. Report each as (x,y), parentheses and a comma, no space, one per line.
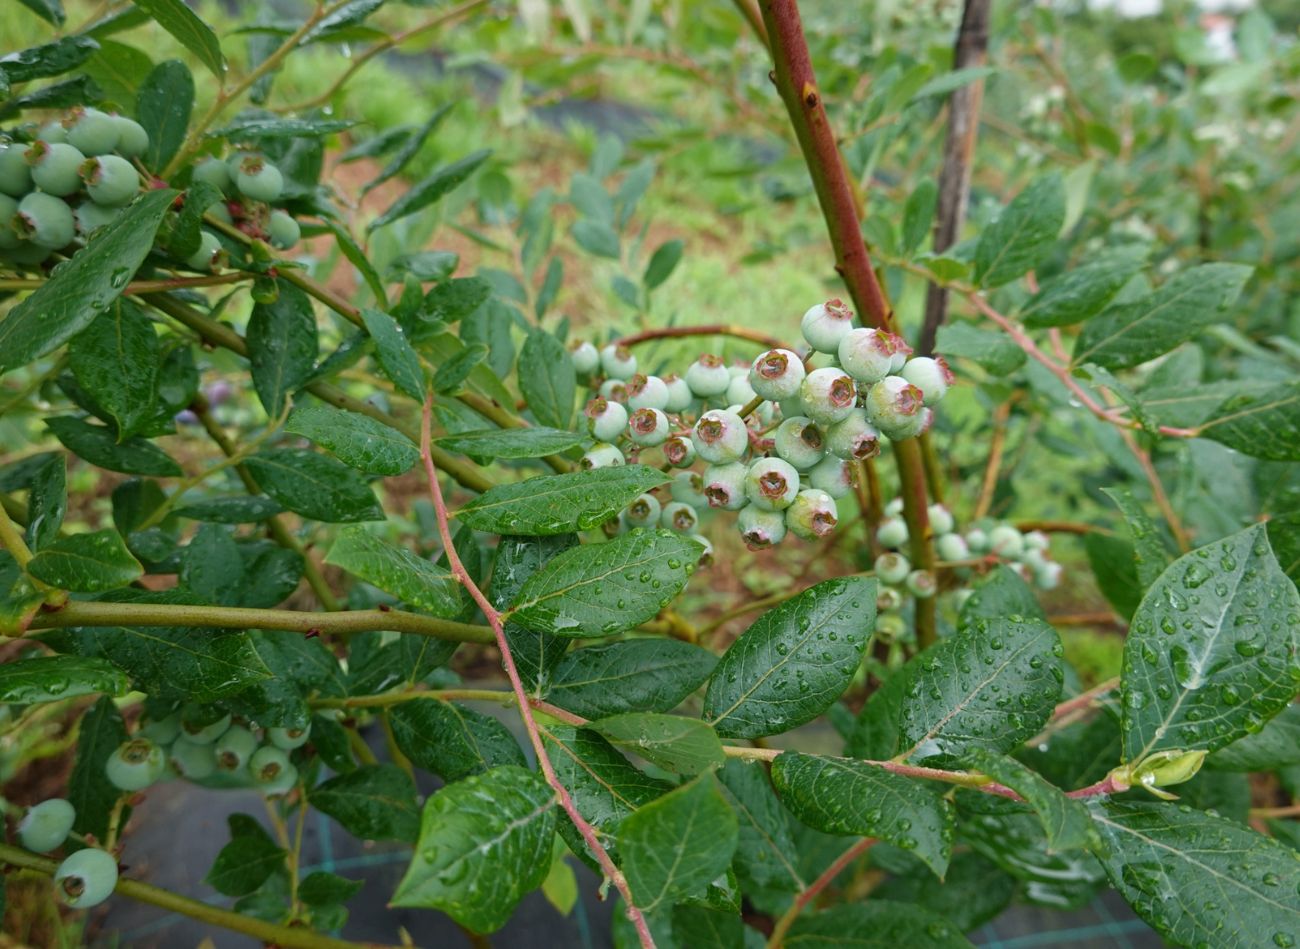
(996,444)
(813,889)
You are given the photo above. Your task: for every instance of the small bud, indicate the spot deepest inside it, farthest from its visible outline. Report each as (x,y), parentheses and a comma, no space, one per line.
(892,568)
(724,486)
(708,377)
(607,420)
(617,362)
(1161,769)
(853,437)
(828,395)
(812,515)
(776,374)
(892,532)
(800,441)
(825,324)
(646,392)
(680,451)
(720,437)
(648,427)
(761,529)
(771,484)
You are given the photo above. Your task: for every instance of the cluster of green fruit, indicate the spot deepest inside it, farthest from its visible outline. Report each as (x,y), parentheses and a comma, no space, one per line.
(84,878)
(251,186)
(72,177)
(782,464)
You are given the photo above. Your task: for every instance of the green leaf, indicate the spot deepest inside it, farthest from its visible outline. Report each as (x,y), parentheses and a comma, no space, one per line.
(282,346)
(314,486)
(374,802)
(245,863)
(394,353)
(681,745)
(1214,649)
(83,287)
(163,107)
(51,11)
(87,563)
(99,446)
(344,15)
(455,299)
(662,263)
(452,374)
(559,504)
(115,359)
(52,59)
(47,501)
(211,567)
(91,794)
(508,443)
(794,662)
(1001,592)
(843,796)
(636,675)
(547,379)
(238,509)
(1200,879)
(1187,303)
(52,678)
(877,924)
(119,70)
(19,600)
(1192,403)
(602,589)
(410,147)
(1065,820)
(379,664)
(354,439)
(1151,557)
(1262,425)
(1112,562)
(396,570)
(320,888)
(484,843)
(766,855)
(517,559)
(357,258)
(192,33)
(1276,745)
(992,685)
(432,189)
(259,129)
(992,351)
(452,741)
(1080,293)
(974,891)
(596,238)
(1023,234)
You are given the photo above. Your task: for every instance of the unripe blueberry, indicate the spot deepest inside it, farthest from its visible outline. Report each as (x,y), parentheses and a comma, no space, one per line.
(828,395)
(163,731)
(86,878)
(832,475)
(888,598)
(853,437)
(199,726)
(688,488)
(192,761)
(977,540)
(941,520)
(208,256)
(215,172)
(644,511)
(739,391)
(867,354)
(55,167)
(272,770)
(613,389)
(679,394)
(287,739)
(257,178)
(110,180)
(708,377)
(931,376)
(617,362)
(812,515)
(91,217)
(825,324)
(951,547)
(1048,576)
(45,221)
(607,420)
(92,132)
(135,765)
(921,584)
(1006,541)
(680,451)
(282,229)
(602,455)
(15,172)
(959,597)
(892,568)
(1034,559)
(234,748)
(724,486)
(706,549)
(1037,540)
(776,374)
(761,529)
(221,211)
(792,407)
(27,254)
(46,826)
(680,517)
(890,627)
(771,484)
(902,353)
(720,437)
(648,427)
(894,507)
(800,441)
(892,406)
(9,238)
(892,532)
(646,392)
(132,139)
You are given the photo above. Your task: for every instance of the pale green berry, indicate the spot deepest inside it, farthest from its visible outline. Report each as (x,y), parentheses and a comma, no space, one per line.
(688,488)
(86,878)
(282,230)
(52,131)
(1048,577)
(893,405)
(833,475)
(771,484)
(615,390)
(959,597)
(92,132)
(46,826)
(720,437)
(45,221)
(931,375)
(1034,559)
(867,354)
(724,486)
(91,217)
(55,167)
(27,254)
(707,377)
(585,357)
(648,427)
(776,374)
(679,394)
(199,726)
(892,532)
(894,507)
(977,540)
(602,455)
(828,395)
(644,511)
(951,547)
(761,529)
(258,179)
(888,598)
(892,568)
(902,353)
(800,441)
(215,172)
(618,362)
(607,420)
(287,739)
(791,407)
(132,139)
(890,627)
(812,515)
(135,765)
(1037,540)
(110,180)
(739,391)
(163,731)
(921,584)
(15,172)
(680,451)
(9,238)
(681,517)
(1006,541)
(192,761)
(647,392)
(941,519)
(825,324)
(853,437)
(234,748)
(706,549)
(208,256)
(272,770)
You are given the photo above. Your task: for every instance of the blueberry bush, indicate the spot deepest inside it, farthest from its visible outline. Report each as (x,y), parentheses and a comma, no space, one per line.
(302,468)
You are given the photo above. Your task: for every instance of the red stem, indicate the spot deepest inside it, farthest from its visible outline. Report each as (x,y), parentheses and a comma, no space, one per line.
(458,570)
(814,889)
(711,329)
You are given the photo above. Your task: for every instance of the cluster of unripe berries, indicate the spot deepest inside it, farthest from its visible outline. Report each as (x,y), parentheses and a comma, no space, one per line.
(783,463)
(251,186)
(84,878)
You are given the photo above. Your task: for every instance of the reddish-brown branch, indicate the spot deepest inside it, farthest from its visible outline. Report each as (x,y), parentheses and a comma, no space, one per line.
(1001,416)
(814,889)
(711,329)
(493,617)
